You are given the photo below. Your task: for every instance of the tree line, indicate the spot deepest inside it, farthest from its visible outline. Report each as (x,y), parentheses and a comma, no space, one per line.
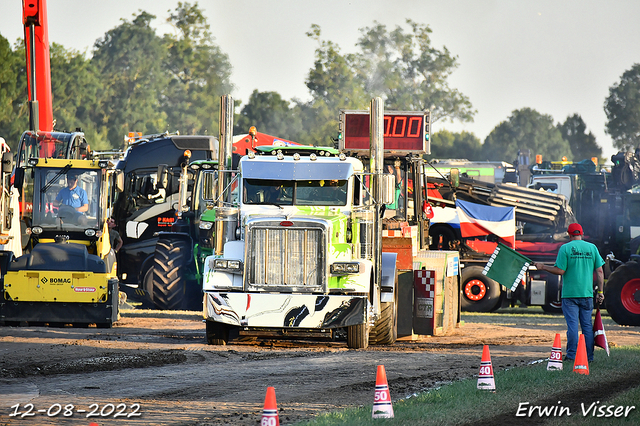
(137,80)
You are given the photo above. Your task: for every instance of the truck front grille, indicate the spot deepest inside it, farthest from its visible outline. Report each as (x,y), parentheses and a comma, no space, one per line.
(286,256)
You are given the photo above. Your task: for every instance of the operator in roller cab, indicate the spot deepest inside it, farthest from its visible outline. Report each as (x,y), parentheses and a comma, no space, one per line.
(72,197)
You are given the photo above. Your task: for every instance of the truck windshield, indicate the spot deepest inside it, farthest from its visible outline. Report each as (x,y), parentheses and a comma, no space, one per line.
(299,193)
(67,199)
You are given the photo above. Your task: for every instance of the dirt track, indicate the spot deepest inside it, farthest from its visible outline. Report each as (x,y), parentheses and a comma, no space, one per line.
(161,362)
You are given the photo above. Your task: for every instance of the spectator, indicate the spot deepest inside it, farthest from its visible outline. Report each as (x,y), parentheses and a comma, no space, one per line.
(576,262)
(114,236)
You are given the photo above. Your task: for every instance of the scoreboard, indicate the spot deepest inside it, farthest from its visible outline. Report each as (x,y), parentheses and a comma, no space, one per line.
(404,132)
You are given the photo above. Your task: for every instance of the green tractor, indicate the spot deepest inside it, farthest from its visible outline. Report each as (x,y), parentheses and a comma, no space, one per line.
(174,279)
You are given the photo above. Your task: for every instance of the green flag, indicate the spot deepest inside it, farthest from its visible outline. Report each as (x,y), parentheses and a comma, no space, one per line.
(507,267)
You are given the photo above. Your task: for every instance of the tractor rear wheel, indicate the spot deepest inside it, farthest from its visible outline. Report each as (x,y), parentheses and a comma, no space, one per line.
(622,294)
(168,274)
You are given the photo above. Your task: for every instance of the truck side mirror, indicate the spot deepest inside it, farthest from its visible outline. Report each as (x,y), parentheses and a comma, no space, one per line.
(388,189)
(163,176)
(119,180)
(455,177)
(18,179)
(7,162)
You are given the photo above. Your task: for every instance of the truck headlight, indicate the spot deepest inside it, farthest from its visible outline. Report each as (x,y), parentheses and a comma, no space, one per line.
(227,265)
(205,225)
(345,268)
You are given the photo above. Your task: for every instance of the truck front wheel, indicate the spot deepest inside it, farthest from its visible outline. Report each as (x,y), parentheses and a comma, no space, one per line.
(622,294)
(479,293)
(385,329)
(358,336)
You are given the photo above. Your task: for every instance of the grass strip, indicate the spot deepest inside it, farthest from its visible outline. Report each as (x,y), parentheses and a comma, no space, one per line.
(613,380)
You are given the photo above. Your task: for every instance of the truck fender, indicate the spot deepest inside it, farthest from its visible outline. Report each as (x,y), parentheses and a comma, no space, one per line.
(389,272)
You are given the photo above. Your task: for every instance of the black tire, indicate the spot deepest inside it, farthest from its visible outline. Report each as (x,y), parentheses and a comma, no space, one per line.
(193,296)
(170,266)
(553,295)
(439,231)
(479,293)
(358,336)
(622,294)
(385,329)
(103,325)
(553,308)
(217,333)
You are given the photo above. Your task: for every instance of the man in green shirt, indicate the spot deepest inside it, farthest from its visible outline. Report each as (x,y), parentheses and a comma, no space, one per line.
(577,260)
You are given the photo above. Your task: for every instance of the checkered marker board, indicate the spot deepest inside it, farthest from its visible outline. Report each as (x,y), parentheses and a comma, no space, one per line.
(425,291)
(428,280)
(507,267)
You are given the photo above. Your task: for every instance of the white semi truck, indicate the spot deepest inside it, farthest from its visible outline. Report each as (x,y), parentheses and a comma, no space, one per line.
(298,240)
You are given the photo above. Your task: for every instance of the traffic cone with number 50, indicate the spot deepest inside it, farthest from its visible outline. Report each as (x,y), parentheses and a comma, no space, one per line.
(382,402)
(485,378)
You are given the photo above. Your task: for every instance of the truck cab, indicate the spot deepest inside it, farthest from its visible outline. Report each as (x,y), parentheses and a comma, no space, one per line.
(297,245)
(558,184)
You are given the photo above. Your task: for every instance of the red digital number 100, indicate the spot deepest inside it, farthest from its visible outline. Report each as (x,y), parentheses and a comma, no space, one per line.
(402,126)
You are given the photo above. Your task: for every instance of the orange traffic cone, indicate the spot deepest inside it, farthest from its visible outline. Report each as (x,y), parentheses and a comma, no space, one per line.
(581,364)
(270,410)
(485,378)
(382,401)
(555,359)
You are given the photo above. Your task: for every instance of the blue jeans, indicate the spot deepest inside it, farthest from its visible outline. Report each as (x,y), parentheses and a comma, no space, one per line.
(578,310)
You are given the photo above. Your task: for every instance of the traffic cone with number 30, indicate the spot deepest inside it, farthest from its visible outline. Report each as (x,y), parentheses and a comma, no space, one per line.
(485,378)
(270,410)
(555,359)
(382,401)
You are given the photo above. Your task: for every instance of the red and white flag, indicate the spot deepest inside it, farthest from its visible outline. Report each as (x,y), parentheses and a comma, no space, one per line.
(599,338)
(479,220)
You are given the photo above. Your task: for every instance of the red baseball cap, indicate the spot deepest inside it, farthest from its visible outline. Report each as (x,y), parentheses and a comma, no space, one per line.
(575,229)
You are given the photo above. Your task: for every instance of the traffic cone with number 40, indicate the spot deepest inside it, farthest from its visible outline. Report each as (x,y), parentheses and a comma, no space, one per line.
(485,378)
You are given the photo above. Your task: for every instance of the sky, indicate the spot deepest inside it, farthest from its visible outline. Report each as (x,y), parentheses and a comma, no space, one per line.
(557,57)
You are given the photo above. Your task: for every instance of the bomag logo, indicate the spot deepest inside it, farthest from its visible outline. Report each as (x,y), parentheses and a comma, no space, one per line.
(56,281)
